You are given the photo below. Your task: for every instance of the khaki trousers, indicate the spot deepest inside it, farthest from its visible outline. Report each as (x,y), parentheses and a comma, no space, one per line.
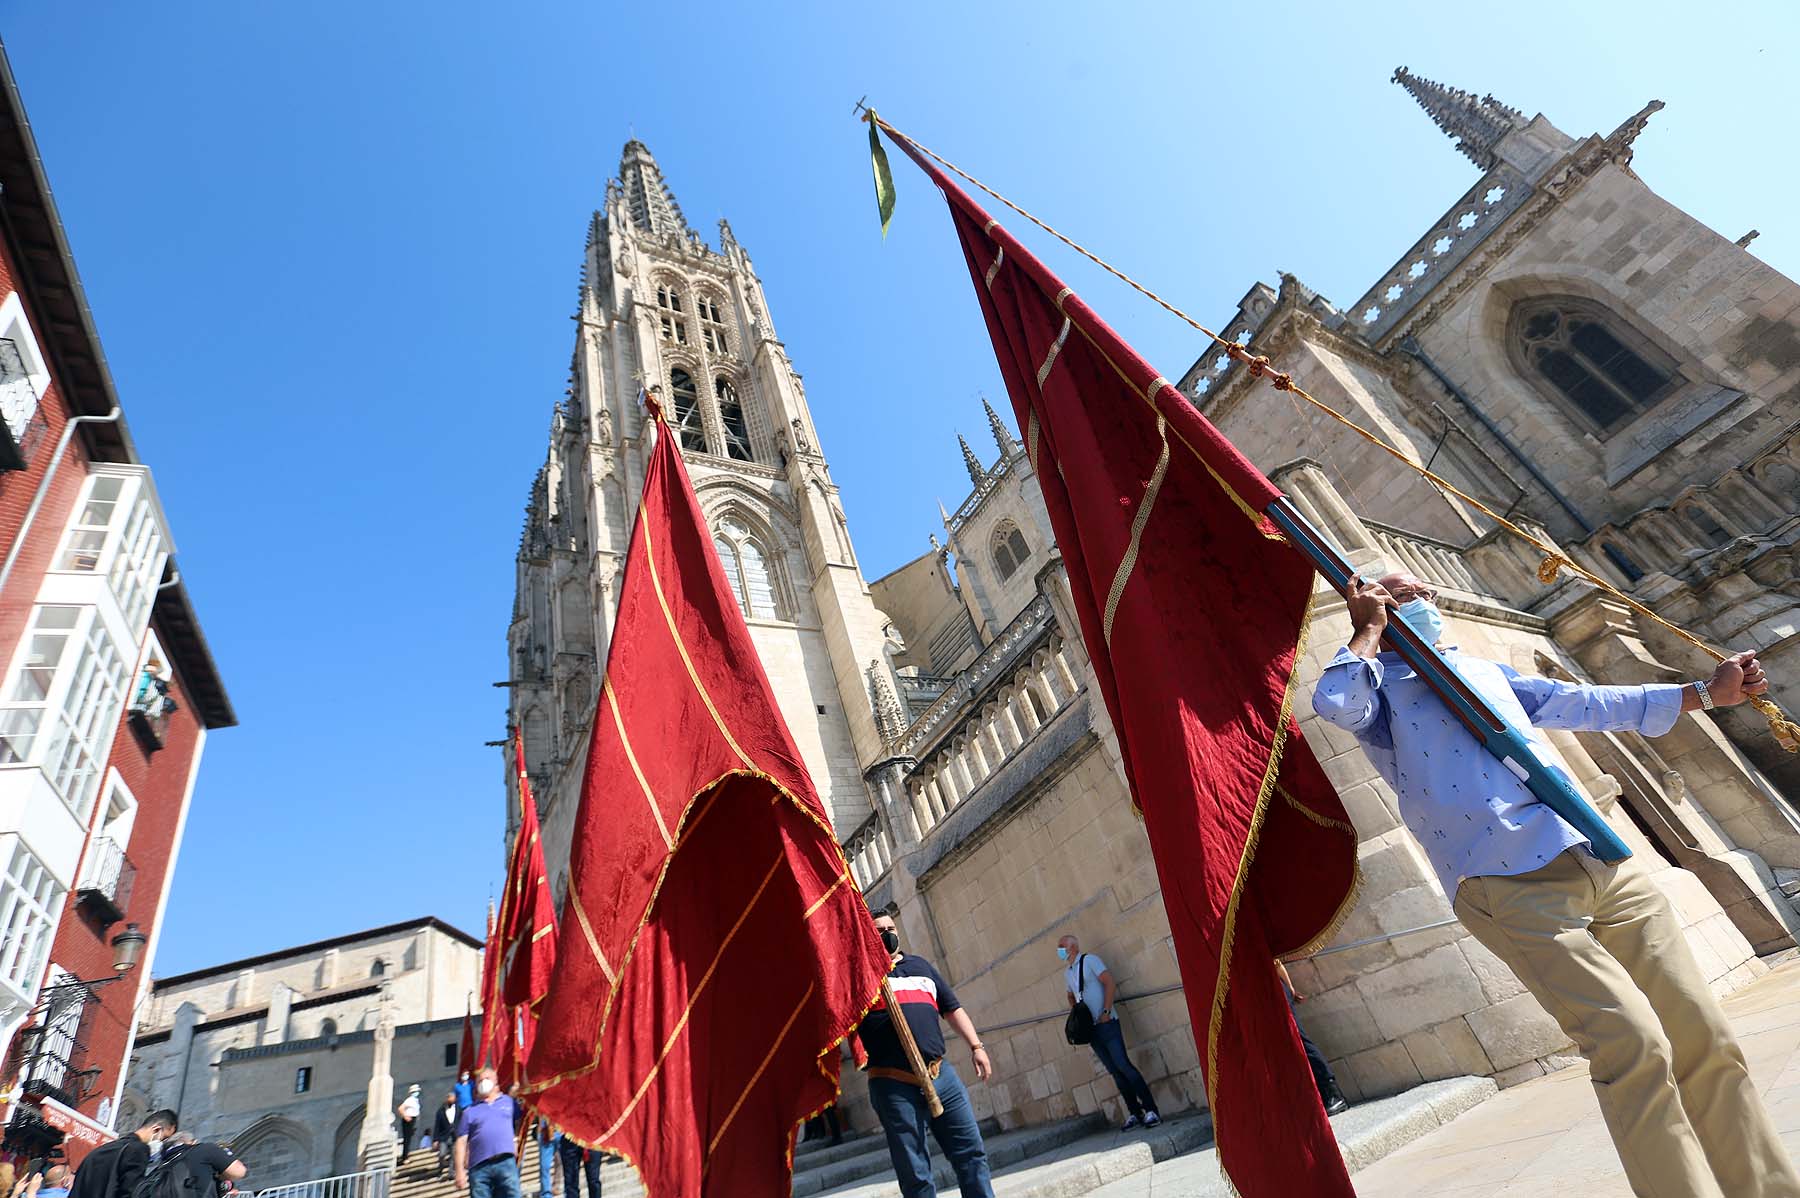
(1600,948)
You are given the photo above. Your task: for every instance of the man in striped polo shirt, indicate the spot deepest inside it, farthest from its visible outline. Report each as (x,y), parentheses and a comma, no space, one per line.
(898,1100)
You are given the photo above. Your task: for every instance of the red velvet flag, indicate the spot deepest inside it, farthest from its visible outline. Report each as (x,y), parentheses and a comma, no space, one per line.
(527,936)
(493,1020)
(1193,610)
(714,950)
(465,1059)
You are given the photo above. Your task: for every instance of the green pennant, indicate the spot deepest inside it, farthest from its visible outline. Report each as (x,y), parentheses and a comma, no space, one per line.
(884,178)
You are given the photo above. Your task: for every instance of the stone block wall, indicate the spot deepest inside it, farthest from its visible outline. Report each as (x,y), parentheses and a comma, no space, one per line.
(1071,860)
(1068,856)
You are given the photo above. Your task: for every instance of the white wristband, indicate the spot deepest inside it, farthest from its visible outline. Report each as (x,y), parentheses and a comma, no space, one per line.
(1706,699)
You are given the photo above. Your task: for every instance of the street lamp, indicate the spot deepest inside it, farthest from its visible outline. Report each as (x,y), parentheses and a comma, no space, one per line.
(128,948)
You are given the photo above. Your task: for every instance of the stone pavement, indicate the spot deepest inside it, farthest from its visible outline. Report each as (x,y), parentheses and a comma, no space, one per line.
(1546,1137)
(1366,1133)
(1543,1137)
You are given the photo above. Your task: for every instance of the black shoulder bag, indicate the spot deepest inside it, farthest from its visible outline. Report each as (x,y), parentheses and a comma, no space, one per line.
(1079,1028)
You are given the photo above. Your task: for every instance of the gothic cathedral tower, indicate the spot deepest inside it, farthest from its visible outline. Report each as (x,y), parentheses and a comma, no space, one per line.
(661,311)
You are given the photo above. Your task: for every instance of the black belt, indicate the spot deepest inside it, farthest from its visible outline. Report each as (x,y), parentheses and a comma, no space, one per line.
(498,1156)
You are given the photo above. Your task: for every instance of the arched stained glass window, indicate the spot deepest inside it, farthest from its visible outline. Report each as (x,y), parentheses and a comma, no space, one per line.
(747,569)
(1010,549)
(731,415)
(1589,361)
(687,410)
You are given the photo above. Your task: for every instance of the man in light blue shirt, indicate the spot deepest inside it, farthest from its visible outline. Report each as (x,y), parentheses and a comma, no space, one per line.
(1088,980)
(1597,944)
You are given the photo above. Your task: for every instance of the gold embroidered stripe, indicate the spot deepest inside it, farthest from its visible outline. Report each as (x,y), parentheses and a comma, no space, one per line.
(1264,793)
(820,901)
(1138,522)
(757,1076)
(999,257)
(543,932)
(612,702)
(593,941)
(693,675)
(1031,436)
(693,998)
(1050,358)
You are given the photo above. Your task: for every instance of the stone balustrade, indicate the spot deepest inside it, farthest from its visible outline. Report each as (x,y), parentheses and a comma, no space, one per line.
(1495,196)
(989,483)
(1006,718)
(1016,638)
(1441,564)
(1713,525)
(870,851)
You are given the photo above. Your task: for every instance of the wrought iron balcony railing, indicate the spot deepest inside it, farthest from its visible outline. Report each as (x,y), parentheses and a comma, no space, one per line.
(106,880)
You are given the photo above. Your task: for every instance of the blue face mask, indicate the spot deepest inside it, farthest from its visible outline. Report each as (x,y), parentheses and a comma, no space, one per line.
(1423,617)
(1062,952)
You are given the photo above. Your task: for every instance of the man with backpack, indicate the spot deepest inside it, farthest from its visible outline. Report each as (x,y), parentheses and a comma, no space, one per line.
(190,1169)
(114,1169)
(1089,983)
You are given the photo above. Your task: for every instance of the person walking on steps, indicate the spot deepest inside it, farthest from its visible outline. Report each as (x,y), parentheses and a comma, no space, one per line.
(894,1091)
(1088,980)
(487,1164)
(443,1132)
(408,1110)
(576,1163)
(1323,1078)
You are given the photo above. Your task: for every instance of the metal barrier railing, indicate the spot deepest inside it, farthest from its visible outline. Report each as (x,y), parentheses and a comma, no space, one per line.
(370,1183)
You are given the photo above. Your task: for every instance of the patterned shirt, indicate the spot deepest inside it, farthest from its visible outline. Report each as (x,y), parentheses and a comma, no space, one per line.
(1470,814)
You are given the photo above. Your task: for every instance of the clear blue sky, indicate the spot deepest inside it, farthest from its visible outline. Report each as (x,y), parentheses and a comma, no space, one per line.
(333,249)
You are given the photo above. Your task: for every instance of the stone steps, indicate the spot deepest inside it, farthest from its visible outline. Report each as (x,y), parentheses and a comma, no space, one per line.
(1053,1161)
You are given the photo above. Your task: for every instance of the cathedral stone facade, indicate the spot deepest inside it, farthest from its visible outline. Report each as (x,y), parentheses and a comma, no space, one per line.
(278,1055)
(1562,343)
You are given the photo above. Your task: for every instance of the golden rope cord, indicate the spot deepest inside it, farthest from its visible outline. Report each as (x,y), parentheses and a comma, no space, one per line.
(1785,731)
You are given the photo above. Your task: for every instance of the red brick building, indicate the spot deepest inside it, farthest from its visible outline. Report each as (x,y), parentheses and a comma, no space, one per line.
(107,689)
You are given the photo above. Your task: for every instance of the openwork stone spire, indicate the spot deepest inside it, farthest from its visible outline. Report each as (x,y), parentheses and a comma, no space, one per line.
(977,472)
(647,196)
(1002,435)
(1476,122)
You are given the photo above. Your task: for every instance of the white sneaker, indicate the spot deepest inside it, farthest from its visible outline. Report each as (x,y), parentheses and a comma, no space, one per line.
(1131,1121)
(1152,1119)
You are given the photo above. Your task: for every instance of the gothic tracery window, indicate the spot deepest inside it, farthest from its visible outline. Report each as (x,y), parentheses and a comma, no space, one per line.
(687,410)
(712,325)
(1589,361)
(1010,549)
(668,298)
(731,415)
(747,569)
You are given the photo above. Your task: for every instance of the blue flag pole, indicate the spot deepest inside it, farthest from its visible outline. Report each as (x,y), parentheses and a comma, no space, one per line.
(1508,745)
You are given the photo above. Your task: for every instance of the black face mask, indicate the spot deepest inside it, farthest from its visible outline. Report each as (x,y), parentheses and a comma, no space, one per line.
(890,940)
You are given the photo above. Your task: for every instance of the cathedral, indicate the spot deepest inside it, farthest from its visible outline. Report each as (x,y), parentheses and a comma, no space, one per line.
(1562,343)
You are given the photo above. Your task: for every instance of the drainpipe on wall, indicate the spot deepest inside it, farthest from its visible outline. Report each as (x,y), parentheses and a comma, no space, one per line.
(1409,346)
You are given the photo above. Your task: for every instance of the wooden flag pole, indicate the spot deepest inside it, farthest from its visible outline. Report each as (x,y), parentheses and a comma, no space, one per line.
(910,1047)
